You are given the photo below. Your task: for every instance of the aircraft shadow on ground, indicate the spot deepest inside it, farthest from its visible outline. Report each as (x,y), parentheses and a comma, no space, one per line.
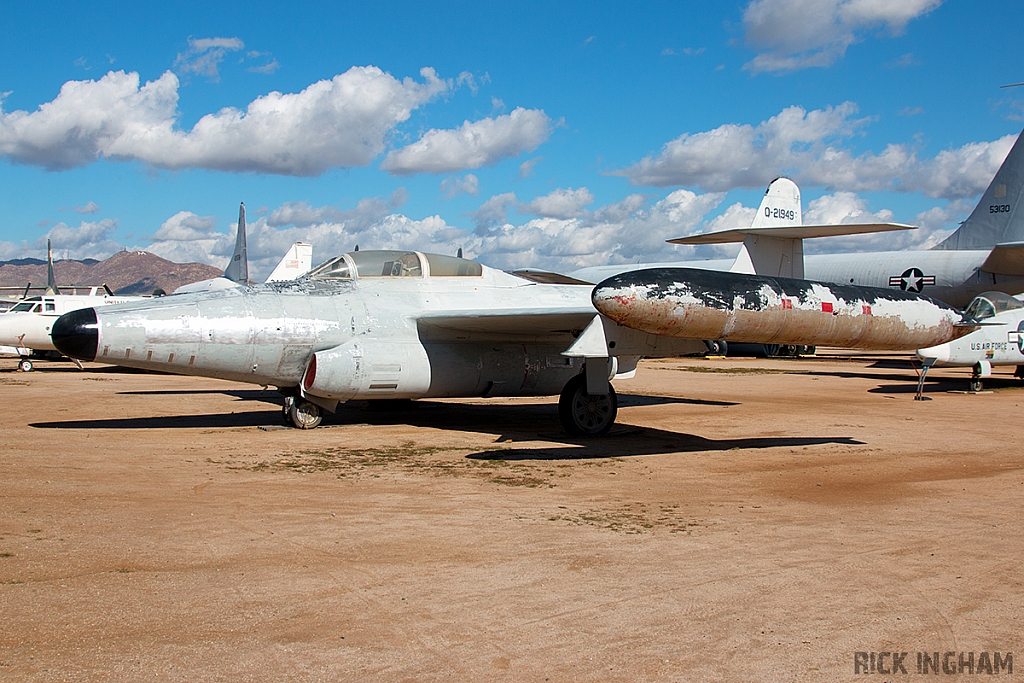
(527,422)
(946,384)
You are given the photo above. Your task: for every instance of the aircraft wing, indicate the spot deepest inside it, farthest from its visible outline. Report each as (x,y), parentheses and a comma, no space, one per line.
(529,322)
(1005,259)
(790,232)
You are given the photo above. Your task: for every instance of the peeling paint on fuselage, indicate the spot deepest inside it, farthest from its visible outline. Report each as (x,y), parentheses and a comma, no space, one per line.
(702,304)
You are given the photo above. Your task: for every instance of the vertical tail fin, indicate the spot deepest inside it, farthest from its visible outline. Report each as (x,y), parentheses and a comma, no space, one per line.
(997,218)
(51,281)
(296,262)
(767,255)
(238,268)
(780,206)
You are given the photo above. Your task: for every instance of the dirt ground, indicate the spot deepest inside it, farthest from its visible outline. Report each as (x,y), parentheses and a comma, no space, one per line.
(747,520)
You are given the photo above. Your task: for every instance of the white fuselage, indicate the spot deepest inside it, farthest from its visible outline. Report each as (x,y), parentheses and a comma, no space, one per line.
(996,344)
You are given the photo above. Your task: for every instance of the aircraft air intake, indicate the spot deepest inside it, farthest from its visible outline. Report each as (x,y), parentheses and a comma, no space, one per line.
(76,334)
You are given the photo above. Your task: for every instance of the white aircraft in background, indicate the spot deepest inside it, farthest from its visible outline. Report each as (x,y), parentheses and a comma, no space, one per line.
(986,253)
(999,342)
(25,327)
(297,261)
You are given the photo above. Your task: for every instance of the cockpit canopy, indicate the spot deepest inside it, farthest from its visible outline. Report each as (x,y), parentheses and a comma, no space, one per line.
(30,305)
(394,263)
(987,304)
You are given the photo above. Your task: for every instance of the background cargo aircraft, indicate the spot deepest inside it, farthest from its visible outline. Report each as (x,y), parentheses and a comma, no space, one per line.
(986,253)
(400,325)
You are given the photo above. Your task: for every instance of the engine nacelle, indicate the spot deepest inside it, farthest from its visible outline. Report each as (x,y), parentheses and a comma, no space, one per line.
(367,369)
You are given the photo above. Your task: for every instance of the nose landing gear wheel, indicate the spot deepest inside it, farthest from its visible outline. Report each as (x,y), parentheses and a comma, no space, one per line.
(975,386)
(25,365)
(584,414)
(302,414)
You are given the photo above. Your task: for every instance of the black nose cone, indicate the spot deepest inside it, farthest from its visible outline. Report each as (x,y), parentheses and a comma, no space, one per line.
(76,334)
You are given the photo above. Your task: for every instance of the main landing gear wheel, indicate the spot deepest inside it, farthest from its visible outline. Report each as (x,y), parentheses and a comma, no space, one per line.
(975,386)
(716,347)
(25,365)
(301,413)
(584,414)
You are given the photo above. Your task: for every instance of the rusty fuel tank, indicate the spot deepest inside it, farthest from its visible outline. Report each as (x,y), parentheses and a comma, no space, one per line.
(705,304)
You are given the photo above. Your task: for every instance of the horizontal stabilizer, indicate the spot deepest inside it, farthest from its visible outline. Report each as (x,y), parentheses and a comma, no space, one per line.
(790,232)
(1005,259)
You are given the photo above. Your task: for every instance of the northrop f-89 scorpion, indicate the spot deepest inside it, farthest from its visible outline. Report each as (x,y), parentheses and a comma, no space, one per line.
(404,324)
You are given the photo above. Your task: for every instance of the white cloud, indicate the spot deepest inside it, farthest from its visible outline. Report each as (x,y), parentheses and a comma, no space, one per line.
(526,168)
(186,225)
(204,55)
(560,203)
(493,211)
(797,34)
(474,144)
(333,123)
(805,146)
(91,207)
(453,187)
(88,240)
(735,155)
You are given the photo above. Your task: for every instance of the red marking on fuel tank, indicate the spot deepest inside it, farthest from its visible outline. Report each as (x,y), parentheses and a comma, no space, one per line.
(866,310)
(787,303)
(826,307)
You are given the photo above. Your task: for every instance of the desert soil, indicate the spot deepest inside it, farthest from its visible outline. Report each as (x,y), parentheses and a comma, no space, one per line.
(747,520)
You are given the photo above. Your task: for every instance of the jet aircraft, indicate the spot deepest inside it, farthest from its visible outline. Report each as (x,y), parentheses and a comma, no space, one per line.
(399,325)
(1000,341)
(986,253)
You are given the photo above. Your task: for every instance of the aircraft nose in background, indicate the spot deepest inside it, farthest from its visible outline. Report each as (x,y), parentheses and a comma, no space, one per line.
(76,334)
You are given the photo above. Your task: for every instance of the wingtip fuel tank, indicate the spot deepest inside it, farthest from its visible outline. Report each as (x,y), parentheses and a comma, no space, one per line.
(702,304)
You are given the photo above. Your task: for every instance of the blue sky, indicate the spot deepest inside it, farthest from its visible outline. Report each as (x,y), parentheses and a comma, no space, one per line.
(553,135)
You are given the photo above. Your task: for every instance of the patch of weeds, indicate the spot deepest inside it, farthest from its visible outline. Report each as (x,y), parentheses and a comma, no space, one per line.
(739,371)
(407,457)
(125,570)
(6,554)
(14,582)
(634,518)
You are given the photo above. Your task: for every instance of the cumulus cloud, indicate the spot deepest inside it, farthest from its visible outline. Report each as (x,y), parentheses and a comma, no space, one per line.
(453,187)
(526,168)
(88,240)
(797,34)
(186,225)
(91,207)
(204,55)
(341,122)
(735,155)
(472,145)
(493,211)
(806,146)
(560,203)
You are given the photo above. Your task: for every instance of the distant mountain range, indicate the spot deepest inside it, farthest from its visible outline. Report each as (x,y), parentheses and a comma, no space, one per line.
(126,272)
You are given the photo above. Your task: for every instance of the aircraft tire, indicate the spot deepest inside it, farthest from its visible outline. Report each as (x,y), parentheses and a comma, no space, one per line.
(304,414)
(716,347)
(975,385)
(583,414)
(25,365)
